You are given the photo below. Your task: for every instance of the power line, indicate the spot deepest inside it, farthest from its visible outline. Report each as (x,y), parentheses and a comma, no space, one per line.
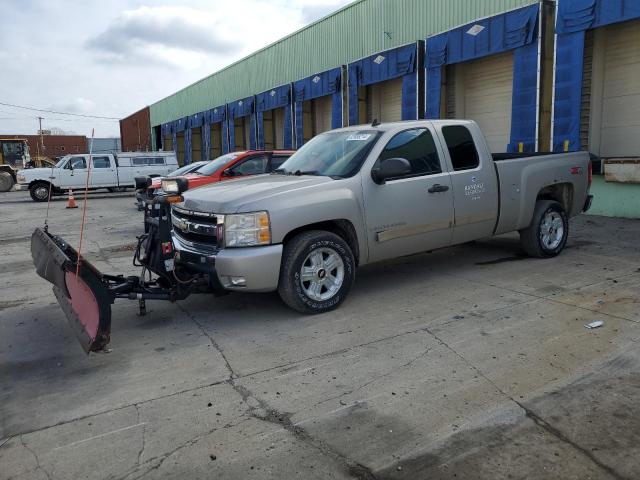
(58,113)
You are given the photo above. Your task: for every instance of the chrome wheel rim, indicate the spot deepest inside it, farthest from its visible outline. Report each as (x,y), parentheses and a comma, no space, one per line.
(42,192)
(322,274)
(551,230)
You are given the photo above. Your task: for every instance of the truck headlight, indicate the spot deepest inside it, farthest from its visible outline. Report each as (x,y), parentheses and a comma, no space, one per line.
(175,186)
(247,229)
(21,178)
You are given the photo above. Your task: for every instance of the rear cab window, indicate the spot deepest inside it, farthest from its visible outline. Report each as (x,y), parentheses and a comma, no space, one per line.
(277,161)
(147,161)
(461,147)
(101,162)
(418,147)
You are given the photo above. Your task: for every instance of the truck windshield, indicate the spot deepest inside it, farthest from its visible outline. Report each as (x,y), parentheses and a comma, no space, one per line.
(216,164)
(186,169)
(332,154)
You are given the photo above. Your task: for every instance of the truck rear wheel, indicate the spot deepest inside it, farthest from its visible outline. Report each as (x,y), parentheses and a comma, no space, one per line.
(317,272)
(6,181)
(547,234)
(39,191)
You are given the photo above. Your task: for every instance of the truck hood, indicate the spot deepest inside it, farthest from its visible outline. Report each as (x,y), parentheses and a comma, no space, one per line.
(230,196)
(35,173)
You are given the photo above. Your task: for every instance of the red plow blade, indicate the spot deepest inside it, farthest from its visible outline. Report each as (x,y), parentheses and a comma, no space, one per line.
(84,298)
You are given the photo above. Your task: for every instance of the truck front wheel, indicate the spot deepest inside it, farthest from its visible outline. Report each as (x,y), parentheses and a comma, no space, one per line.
(39,191)
(547,234)
(6,181)
(317,272)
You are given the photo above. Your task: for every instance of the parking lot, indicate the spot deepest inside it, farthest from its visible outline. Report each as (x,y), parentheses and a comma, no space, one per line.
(469,362)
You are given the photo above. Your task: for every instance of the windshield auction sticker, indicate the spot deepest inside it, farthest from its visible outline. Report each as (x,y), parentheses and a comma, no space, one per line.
(358,137)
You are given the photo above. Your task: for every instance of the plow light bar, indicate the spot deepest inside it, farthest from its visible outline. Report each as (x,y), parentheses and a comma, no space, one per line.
(175,186)
(143,182)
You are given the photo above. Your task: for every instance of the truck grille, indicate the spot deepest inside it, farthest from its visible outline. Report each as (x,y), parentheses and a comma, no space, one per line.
(197,227)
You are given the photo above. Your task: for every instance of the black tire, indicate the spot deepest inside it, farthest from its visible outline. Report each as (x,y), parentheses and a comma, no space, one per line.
(533,237)
(39,191)
(6,181)
(297,251)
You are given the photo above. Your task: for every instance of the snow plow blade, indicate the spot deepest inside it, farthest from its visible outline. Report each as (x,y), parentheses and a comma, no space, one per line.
(85,299)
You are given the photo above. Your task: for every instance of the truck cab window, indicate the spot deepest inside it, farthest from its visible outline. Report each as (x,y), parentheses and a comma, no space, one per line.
(252,166)
(462,149)
(418,148)
(76,163)
(101,162)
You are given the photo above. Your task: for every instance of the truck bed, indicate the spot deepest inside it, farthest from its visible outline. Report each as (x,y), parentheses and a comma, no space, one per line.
(521,178)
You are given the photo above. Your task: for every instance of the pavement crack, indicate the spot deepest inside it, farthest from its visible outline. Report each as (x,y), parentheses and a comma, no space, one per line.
(261,410)
(376,378)
(155,463)
(537,419)
(213,341)
(35,456)
(541,422)
(144,435)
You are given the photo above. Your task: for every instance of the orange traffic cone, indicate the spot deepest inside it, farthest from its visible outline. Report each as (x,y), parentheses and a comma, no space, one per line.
(71,203)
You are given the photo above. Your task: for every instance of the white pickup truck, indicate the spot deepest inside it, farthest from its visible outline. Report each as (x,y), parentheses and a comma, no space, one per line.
(114,172)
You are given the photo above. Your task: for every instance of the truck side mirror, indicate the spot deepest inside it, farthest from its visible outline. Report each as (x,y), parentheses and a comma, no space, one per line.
(228,173)
(390,168)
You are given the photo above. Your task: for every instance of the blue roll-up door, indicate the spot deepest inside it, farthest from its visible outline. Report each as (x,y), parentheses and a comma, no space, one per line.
(214,133)
(274,118)
(193,144)
(574,18)
(166,137)
(318,104)
(241,124)
(499,54)
(385,85)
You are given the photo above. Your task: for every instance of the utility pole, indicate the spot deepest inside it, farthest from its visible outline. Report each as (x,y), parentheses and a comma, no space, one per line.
(41,143)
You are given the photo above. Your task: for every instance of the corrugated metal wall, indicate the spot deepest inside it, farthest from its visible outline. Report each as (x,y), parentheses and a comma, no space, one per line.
(358,30)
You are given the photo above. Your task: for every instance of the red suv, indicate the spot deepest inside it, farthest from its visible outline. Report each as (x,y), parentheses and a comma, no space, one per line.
(228,166)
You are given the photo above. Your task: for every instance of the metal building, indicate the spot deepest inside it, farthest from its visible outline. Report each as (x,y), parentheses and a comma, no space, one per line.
(537,75)
(355,35)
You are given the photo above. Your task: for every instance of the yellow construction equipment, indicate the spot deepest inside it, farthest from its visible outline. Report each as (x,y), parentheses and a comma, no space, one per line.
(14,156)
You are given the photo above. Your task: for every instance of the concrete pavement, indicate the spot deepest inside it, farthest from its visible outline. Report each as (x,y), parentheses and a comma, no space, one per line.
(470,362)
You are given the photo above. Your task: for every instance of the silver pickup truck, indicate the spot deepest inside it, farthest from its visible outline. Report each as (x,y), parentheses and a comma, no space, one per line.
(363,194)
(347,198)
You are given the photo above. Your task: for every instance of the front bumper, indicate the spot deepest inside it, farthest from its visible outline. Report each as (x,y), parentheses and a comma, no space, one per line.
(247,269)
(21,186)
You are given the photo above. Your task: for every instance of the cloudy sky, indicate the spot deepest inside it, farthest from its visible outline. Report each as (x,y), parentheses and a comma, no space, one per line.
(111,58)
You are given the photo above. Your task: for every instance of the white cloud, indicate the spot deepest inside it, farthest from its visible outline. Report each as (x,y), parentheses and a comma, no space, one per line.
(113,58)
(162,34)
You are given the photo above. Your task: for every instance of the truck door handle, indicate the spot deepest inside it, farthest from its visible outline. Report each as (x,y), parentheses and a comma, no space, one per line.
(438,188)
